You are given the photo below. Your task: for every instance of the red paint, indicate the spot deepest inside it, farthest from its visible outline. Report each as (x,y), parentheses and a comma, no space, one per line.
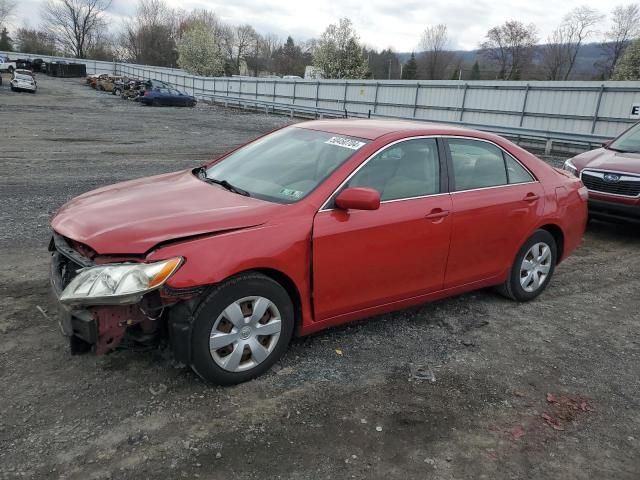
(345,264)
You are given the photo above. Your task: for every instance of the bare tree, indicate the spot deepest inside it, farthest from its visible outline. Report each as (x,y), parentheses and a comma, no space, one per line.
(435,58)
(625,27)
(149,37)
(554,54)
(510,46)
(579,24)
(75,24)
(7,7)
(238,42)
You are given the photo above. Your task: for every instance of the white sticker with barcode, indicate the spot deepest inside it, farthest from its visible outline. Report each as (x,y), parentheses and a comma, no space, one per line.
(345,143)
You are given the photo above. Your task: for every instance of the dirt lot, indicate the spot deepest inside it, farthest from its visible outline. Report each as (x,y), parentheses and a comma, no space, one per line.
(548,389)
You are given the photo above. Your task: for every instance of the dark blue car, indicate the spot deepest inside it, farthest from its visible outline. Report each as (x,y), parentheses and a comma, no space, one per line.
(165,95)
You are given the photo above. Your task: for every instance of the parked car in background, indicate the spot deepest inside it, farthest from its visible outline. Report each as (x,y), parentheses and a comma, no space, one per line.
(22,82)
(38,65)
(312,226)
(612,176)
(7,65)
(167,97)
(107,84)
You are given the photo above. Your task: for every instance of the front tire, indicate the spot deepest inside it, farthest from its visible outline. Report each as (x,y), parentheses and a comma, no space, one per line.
(241,329)
(532,269)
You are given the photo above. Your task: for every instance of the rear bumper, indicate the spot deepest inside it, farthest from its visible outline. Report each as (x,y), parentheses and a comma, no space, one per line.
(613,211)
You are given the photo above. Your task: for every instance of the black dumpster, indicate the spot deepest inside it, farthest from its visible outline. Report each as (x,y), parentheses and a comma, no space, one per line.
(66,70)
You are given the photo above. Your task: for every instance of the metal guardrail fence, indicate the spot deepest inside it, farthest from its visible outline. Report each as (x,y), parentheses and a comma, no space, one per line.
(583,113)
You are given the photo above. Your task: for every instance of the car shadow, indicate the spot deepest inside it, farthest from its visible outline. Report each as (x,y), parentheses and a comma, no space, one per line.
(624,232)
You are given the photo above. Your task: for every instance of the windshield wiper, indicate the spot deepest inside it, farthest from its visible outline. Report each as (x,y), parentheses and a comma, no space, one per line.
(619,150)
(225,184)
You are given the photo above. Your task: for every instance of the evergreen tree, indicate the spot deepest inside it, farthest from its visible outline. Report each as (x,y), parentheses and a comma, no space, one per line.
(475,71)
(6,44)
(410,70)
(628,68)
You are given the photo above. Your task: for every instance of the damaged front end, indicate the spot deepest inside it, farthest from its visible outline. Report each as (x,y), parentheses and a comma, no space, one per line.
(102,302)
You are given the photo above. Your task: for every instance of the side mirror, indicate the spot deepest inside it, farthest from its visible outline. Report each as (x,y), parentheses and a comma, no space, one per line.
(358,198)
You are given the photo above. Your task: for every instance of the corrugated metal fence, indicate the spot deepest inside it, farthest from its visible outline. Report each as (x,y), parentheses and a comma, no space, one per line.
(580,112)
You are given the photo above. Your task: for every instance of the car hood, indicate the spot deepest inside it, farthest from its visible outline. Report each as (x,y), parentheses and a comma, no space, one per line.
(604,159)
(133,217)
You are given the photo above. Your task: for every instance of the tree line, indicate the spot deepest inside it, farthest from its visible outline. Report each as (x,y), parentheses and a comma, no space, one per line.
(202,44)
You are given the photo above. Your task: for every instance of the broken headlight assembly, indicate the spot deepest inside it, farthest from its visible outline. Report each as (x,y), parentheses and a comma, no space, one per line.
(118,284)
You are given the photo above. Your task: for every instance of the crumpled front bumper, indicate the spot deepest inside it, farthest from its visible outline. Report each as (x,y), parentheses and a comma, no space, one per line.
(97,329)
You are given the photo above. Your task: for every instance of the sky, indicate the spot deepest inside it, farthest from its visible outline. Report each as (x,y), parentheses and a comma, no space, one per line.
(380,23)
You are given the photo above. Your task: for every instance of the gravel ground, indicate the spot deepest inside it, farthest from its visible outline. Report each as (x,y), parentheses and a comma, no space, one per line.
(547,389)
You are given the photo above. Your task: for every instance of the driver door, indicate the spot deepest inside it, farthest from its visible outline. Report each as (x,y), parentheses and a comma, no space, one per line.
(363,259)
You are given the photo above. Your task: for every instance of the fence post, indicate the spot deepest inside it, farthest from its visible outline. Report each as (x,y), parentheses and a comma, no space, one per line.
(227,87)
(524,105)
(274,91)
(415,100)
(597,110)
(293,101)
(464,98)
(317,92)
(344,99)
(256,91)
(375,100)
(240,88)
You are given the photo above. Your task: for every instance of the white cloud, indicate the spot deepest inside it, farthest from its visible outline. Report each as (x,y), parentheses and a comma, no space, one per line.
(380,23)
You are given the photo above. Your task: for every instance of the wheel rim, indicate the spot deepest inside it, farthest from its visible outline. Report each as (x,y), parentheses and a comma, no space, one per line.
(535,267)
(245,334)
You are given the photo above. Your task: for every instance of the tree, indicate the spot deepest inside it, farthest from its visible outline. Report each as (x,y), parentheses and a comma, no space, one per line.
(475,71)
(289,59)
(435,58)
(628,68)
(7,7)
(260,57)
(384,64)
(6,43)
(339,53)
(199,51)
(625,27)
(150,37)
(75,24)
(35,41)
(510,46)
(237,43)
(410,69)
(578,25)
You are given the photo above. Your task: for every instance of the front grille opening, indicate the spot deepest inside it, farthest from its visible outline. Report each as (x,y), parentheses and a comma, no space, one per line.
(594,181)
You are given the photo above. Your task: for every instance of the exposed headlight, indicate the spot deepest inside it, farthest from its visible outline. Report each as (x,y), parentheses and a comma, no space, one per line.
(122,283)
(570,167)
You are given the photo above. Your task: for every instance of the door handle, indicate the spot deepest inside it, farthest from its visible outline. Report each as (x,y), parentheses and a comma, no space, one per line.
(437,213)
(531,197)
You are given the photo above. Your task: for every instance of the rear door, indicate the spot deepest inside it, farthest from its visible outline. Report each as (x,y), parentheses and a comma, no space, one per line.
(363,258)
(496,201)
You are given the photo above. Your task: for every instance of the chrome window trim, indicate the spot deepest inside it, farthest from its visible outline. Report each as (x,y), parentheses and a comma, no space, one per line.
(504,152)
(626,176)
(324,207)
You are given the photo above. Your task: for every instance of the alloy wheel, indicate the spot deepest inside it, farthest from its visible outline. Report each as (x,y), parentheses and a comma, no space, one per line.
(245,334)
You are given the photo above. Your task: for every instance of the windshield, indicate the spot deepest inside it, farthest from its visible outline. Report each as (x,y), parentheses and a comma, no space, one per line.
(286,165)
(629,141)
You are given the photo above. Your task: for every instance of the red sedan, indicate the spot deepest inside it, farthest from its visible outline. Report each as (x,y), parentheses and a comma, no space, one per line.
(311,226)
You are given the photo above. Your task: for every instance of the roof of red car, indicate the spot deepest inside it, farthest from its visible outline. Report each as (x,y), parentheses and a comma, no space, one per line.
(372,129)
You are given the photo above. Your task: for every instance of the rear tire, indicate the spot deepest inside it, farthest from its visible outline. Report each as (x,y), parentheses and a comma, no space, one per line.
(240,351)
(532,269)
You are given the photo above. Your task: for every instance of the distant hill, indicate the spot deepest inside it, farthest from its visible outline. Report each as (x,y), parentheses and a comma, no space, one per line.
(589,55)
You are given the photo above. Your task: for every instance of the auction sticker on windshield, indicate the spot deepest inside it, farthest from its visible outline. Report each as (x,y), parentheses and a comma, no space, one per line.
(345,142)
